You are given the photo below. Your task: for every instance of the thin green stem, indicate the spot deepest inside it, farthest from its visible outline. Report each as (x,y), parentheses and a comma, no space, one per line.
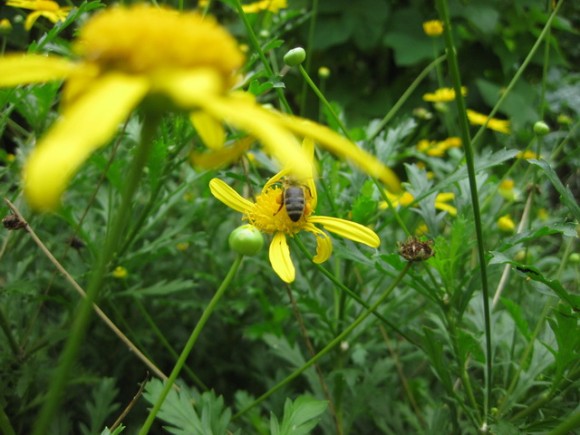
(408,92)
(470,161)
(308,62)
(518,73)
(69,354)
(352,294)
(331,345)
(190,343)
(5,425)
(5,325)
(322,98)
(256,46)
(567,426)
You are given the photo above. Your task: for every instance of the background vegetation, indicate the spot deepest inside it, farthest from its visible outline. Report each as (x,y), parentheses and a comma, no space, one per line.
(416,365)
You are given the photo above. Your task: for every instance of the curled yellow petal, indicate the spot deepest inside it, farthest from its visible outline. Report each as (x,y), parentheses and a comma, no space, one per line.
(222,157)
(323,244)
(280,258)
(229,196)
(347,229)
(82,128)
(19,69)
(210,130)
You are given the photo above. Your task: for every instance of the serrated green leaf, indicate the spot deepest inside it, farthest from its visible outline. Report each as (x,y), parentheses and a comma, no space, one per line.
(102,405)
(566,327)
(302,415)
(565,193)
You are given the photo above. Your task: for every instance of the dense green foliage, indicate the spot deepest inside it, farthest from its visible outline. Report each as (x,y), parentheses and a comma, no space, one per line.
(419,362)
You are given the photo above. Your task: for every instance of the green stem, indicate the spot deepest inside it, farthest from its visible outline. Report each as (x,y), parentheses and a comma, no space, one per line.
(322,98)
(336,341)
(5,425)
(190,343)
(567,426)
(309,45)
(256,46)
(5,325)
(470,161)
(408,92)
(69,354)
(352,294)
(518,73)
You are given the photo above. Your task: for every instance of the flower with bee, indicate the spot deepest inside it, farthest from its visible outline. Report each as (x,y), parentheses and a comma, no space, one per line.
(286,207)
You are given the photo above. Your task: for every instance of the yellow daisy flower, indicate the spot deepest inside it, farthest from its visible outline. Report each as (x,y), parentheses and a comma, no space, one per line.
(265,5)
(500,125)
(405,199)
(433,28)
(42,8)
(269,214)
(443,95)
(124,60)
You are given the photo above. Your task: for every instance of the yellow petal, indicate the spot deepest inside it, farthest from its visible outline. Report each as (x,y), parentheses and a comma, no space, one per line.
(222,157)
(347,229)
(308,146)
(263,125)
(323,244)
(280,258)
(83,127)
(446,207)
(209,129)
(229,196)
(342,147)
(17,69)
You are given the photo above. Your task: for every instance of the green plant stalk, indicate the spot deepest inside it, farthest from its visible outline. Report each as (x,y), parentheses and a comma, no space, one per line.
(190,343)
(256,46)
(5,425)
(309,45)
(518,73)
(567,426)
(322,98)
(352,294)
(114,234)
(408,92)
(336,341)
(470,161)
(5,325)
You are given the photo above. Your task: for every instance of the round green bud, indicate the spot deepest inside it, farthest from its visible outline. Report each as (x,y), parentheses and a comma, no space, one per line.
(574,258)
(246,240)
(541,128)
(295,56)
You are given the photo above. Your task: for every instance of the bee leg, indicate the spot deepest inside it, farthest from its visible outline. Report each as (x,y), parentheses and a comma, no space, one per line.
(281,201)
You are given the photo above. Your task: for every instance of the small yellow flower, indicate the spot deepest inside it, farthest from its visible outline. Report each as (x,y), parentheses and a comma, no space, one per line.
(10,158)
(182,246)
(42,8)
(543,214)
(433,28)
(438,149)
(265,5)
(124,59)
(500,125)
(421,230)
(443,95)
(120,272)
(5,25)
(323,72)
(507,189)
(269,215)
(506,224)
(526,155)
(405,199)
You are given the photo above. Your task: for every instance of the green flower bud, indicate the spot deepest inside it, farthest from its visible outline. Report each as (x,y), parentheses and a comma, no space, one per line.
(246,240)
(541,128)
(295,56)
(574,258)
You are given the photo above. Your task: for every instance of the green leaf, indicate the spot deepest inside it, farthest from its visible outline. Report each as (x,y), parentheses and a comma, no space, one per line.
(566,328)
(102,405)
(364,206)
(518,317)
(565,193)
(189,413)
(300,416)
(433,346)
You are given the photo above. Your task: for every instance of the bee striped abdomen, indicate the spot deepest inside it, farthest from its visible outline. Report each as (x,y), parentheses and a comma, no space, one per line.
(295,202)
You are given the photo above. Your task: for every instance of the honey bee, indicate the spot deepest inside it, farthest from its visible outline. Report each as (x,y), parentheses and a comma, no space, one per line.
(293,199)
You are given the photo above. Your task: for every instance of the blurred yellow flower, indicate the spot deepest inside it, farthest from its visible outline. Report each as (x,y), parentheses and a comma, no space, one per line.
(433,27)
(526,155)
(42,8)
(120,272)
(443,95)
(125,58)
(543,214)
(421,230)
(182,246)
(507,189)
(438,149)
(5,25)
(405,199)
(265,5)
(500,125)
(270,215)
(506,224)
(323,72)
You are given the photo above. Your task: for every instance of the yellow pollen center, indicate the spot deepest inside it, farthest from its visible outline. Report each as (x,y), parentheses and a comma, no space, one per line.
(269,217)
(145,40)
